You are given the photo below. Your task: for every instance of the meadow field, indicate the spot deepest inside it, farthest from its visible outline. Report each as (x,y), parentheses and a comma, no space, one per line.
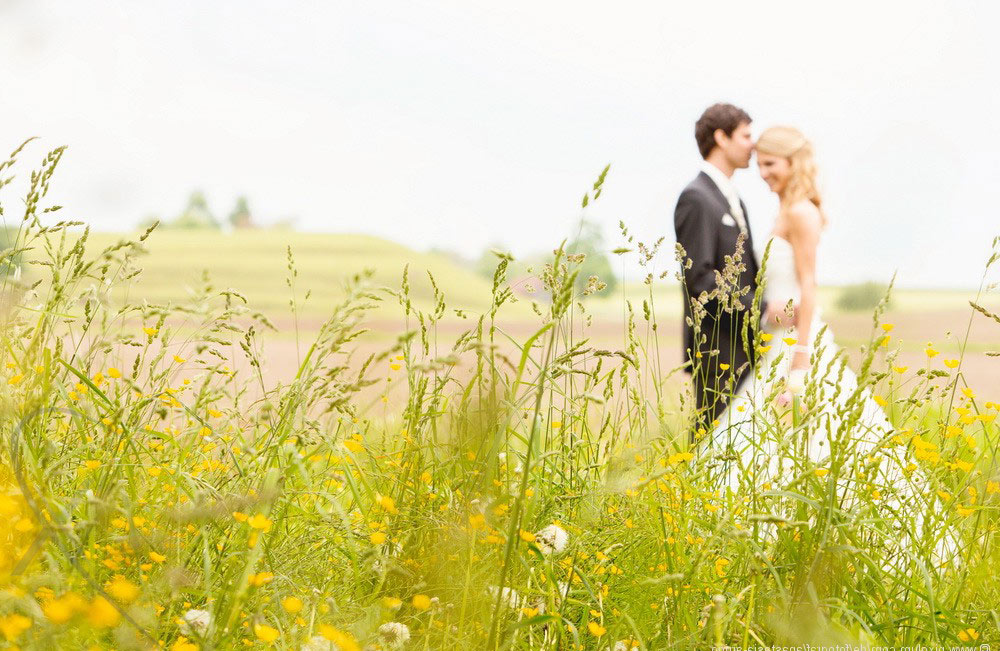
(293,452)
(255,262)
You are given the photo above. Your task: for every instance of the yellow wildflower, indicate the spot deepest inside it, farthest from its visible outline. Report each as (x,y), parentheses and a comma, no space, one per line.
(102,614)
(183,644)
(343,641)
(123,590)
(62,609)
(387,503)
(13,625)
(260,521)
(680,457)
(261,578)
(265,633)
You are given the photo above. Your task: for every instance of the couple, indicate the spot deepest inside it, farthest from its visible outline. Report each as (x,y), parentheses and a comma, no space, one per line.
(752,349)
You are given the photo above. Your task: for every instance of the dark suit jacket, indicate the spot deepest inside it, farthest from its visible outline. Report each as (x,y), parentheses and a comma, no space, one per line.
(698,224)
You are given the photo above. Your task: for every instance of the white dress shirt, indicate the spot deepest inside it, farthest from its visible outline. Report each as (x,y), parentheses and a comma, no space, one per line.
(725,185)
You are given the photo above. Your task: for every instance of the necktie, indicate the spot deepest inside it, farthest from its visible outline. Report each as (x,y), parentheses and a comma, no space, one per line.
(734,207)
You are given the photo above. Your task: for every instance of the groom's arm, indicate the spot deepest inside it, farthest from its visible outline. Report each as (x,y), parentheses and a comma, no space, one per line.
(696,233)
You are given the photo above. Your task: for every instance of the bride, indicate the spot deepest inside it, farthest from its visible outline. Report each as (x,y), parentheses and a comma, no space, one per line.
(801,413)
(790,358)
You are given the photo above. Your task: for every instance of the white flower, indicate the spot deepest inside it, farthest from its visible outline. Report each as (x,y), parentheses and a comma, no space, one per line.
(552,538)
(319,643)
(516,600)
(625,645)
(394,634)
(510,595)
(196,622)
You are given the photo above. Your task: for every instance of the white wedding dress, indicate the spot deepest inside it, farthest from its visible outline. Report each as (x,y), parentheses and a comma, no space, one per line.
(834,383)
(757,443)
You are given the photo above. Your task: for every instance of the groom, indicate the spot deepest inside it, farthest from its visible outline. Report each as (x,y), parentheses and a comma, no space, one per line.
(711,224)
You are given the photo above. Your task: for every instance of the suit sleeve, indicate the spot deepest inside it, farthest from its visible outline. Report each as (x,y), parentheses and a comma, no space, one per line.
(696,233)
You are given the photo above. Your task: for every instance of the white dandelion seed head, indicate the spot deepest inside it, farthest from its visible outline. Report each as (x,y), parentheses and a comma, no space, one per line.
(509,595)
(394,634)
(195,622)
(552,538)
(319,643)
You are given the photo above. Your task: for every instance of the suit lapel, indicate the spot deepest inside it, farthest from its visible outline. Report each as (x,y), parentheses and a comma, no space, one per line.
(746,219)
(724,204)
(714,189)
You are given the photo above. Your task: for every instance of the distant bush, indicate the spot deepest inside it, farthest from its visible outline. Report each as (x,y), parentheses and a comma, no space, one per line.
(863,296)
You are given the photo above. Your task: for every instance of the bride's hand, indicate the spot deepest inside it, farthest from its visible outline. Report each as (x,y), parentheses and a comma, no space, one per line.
(800,360)
(776,316)
(784,399)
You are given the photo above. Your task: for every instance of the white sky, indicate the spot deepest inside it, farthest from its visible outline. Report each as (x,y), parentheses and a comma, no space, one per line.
(459,124)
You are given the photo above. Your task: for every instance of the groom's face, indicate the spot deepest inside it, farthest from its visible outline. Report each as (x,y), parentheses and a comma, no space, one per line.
(738,147)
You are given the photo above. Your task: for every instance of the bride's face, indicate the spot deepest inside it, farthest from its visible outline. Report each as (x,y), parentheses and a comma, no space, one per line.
(775,171)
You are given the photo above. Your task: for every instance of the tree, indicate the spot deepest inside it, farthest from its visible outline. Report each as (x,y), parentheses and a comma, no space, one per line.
(590,242)
(241,217)
(196,214)
(487,263)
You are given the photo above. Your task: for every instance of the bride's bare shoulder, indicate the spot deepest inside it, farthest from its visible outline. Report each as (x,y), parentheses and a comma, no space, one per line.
(804,215)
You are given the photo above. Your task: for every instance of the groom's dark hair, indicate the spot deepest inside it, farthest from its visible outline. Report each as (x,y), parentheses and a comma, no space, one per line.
(717,116)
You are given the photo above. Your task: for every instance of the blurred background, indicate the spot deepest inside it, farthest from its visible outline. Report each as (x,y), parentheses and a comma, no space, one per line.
(432,132)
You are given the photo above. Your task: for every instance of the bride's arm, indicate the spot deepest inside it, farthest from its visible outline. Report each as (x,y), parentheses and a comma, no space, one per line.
(805,223)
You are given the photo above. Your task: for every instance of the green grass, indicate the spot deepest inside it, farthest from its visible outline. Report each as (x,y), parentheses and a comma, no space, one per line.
(153,472)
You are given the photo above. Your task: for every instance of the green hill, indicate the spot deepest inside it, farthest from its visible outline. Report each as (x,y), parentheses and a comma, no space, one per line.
(255,263)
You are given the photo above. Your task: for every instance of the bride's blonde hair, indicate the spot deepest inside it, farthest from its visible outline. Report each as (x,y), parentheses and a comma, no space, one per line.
(790,143)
